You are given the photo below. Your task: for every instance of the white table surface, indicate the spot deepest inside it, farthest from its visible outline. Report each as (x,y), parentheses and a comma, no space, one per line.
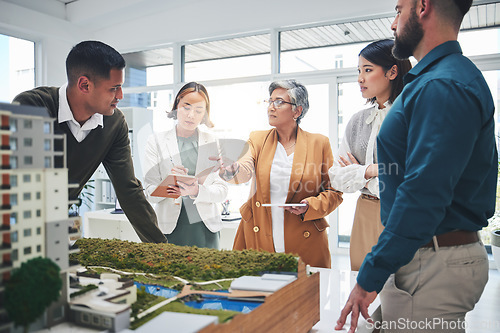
(335,287)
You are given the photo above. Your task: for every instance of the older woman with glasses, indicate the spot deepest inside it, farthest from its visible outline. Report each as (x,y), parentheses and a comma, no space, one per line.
(291,192)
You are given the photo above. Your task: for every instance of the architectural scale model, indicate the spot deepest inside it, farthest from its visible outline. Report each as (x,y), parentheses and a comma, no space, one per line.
(34,209)
(35,223)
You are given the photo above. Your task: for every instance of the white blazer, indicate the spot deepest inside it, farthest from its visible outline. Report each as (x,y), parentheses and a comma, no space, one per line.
(162,149)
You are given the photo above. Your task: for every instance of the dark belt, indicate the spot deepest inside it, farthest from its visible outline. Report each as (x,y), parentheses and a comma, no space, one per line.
(369,197)
(455,238)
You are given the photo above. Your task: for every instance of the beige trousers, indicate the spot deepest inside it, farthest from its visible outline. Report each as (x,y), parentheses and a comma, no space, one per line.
(435,290)
(366,229)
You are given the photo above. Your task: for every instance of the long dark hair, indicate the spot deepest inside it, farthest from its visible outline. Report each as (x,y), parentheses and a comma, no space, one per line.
(380,53)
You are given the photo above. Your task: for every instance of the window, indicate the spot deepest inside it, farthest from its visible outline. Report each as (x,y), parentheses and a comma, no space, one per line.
(13,124)
(38,230)
(27,232)
(47,162)
(38,195)
(13,143)
(472,42)
(149,67)
(85,317)
(228,58)
(28,160)
(13,218)
(106,322)
(38,213)
(38,248)
(58,313)
(14,237)
(13,199)
(13,162)
(46,127)
(27,250)
(46,144)
(28,124)
(329,46)
(13,181)
(38,178)
(26,196)
(28,142)
(27,214)
(15,255)
(27,178)
(17,67)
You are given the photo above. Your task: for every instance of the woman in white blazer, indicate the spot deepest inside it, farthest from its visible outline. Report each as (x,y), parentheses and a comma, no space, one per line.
(194,217)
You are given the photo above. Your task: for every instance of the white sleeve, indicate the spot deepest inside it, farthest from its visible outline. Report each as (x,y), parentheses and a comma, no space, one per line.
(213,190)
(151,167)
(347,179)
(373,186)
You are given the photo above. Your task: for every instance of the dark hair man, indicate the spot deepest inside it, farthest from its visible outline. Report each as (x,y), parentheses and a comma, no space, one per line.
(96,131)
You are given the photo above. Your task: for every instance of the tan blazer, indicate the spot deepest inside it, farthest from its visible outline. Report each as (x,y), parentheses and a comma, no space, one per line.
(304,235)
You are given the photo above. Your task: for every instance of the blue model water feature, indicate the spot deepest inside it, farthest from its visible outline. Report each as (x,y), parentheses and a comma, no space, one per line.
(157,290)
(209,302)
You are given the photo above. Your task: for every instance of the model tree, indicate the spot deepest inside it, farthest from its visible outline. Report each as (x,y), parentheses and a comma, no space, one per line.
(31,289)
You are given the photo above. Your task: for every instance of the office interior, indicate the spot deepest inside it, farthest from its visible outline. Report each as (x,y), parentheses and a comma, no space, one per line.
(235,48)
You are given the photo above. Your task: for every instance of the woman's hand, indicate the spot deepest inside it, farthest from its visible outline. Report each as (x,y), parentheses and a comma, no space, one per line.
(227,170)
(181,188)
(371,171)
(298,210)
(345,162)
(189,189)
(179,170)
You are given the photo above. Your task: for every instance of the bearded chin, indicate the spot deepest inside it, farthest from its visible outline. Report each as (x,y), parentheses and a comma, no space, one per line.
(408,40)
(402,50)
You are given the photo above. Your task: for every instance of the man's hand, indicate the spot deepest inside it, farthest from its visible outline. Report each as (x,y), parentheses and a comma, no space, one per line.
(358,302)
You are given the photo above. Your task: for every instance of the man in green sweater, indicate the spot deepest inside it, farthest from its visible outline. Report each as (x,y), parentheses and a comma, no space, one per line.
(96,131)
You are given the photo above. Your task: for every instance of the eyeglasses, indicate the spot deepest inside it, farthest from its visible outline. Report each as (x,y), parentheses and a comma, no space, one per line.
(277,103)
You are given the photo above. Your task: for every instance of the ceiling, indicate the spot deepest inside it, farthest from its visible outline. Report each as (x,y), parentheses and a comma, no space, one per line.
(148,25)
(484,15)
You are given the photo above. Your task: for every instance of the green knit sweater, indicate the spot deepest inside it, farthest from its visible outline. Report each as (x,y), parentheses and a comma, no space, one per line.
(110,146)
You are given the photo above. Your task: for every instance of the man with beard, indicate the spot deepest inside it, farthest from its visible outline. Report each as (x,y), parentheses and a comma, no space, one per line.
(438,164)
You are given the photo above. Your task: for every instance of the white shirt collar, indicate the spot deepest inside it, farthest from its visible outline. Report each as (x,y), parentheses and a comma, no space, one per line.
(65,113)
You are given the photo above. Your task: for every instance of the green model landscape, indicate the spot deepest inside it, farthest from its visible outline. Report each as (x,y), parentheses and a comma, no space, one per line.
(160,263)
(191,263)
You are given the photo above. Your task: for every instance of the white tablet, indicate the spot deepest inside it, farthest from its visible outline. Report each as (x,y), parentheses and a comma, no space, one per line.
(285,205)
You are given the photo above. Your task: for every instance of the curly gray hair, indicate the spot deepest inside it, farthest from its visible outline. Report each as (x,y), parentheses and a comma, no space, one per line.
(297,93)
